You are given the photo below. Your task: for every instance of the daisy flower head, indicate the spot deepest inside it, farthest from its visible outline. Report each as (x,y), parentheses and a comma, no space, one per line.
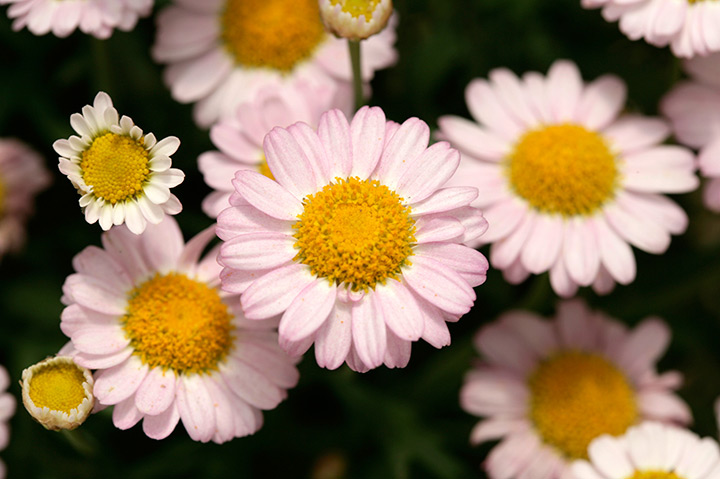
(651,450)
(548,388)
(693,108)
(239,137)
(57,393)
(146,313)
(690,27)
(221,52)
(22,176)
(121,174)
(356,245)
(566,184)
(7,409)
(355,19)
(93,17)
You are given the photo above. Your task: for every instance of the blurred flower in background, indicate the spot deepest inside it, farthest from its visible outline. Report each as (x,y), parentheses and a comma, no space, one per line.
(693,107)
(355,20)
(239,137)
(356,242)
(94,17)
(7,409)
(122,175)
(22,176)
(145,312)
(548,388)
(565,184)
(651,450)
(221,52)
(690,27)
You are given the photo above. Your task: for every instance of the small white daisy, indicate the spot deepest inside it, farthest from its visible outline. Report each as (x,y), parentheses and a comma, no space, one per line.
(122,175)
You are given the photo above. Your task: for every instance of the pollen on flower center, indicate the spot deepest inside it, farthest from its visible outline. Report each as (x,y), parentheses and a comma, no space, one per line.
(575,397)
(178,323)
(355,232)
(115,166)
(58,386)
(654,475)
(358,7)
(563,169)
(275,34)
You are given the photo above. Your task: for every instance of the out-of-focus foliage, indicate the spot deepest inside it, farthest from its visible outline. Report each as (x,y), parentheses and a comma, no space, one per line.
(386,423)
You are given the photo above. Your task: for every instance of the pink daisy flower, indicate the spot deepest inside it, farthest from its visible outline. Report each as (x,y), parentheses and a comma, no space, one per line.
(651,451)
(548,388)
(7,409)
(221,52)
(122,175)
(355,244)
(168,346)
(565,184)
(240,137)
(94,17)
(690,27)
(693,108)
(22,176)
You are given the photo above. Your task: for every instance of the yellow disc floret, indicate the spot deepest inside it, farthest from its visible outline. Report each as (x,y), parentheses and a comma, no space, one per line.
(654,475)
(115,166)
(178,323)
(355,232)
(563,169)
(358,7)
(58,386)
(575,397)
(275,34)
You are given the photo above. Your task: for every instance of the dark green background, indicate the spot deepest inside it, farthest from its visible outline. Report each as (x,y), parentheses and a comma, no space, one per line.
(386,423)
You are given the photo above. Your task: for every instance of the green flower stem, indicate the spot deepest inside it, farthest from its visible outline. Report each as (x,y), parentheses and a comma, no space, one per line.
(80,441)
(354,46)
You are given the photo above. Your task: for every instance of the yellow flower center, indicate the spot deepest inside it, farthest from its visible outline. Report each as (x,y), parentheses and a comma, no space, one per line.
(575,397)
(275,34)
(178,323)
(356,232)
(563,169)
(654,475)
(115,166)
(358,7)
(264,169)
(58,386)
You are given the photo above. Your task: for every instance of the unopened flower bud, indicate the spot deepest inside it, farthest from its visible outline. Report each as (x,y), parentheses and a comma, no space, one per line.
(355,19)
(58,393)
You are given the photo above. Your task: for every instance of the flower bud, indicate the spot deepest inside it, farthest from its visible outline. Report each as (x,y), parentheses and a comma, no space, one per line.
(58,393)
(355,19)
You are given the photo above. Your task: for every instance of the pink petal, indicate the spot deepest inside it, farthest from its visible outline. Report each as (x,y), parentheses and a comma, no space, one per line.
(400,310)
(601,102)
(100,339)
(253,251)
(430,171)
(308,310)
(564,89)
(643,346)
(496,428)
(314,151)
(94,294)
(289,164)
(251,385)
(368,331)
(547,238)
(582,259)
(616,255)
(486,108)
(103,361)
(609,457)
(473,140)
(273,293)
(267,195)
(503,218)
(637,229)
(439,285)
(560,280)
(163,244)
(469,263)
(224,415)
(537,334)
(504,252)
(125,415)
(512,95)
(435,331)
(501,346)
(157,392)
(663,406)
(238,220)
(195,407)
(120,382)
(445,199)
(335,135)
(511,456)
(333,339)
(401,151)
(160,426)
(437,229)
(367,132)
(276,365)
(632,133)
(95,262)
(192,250)
(397,354)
